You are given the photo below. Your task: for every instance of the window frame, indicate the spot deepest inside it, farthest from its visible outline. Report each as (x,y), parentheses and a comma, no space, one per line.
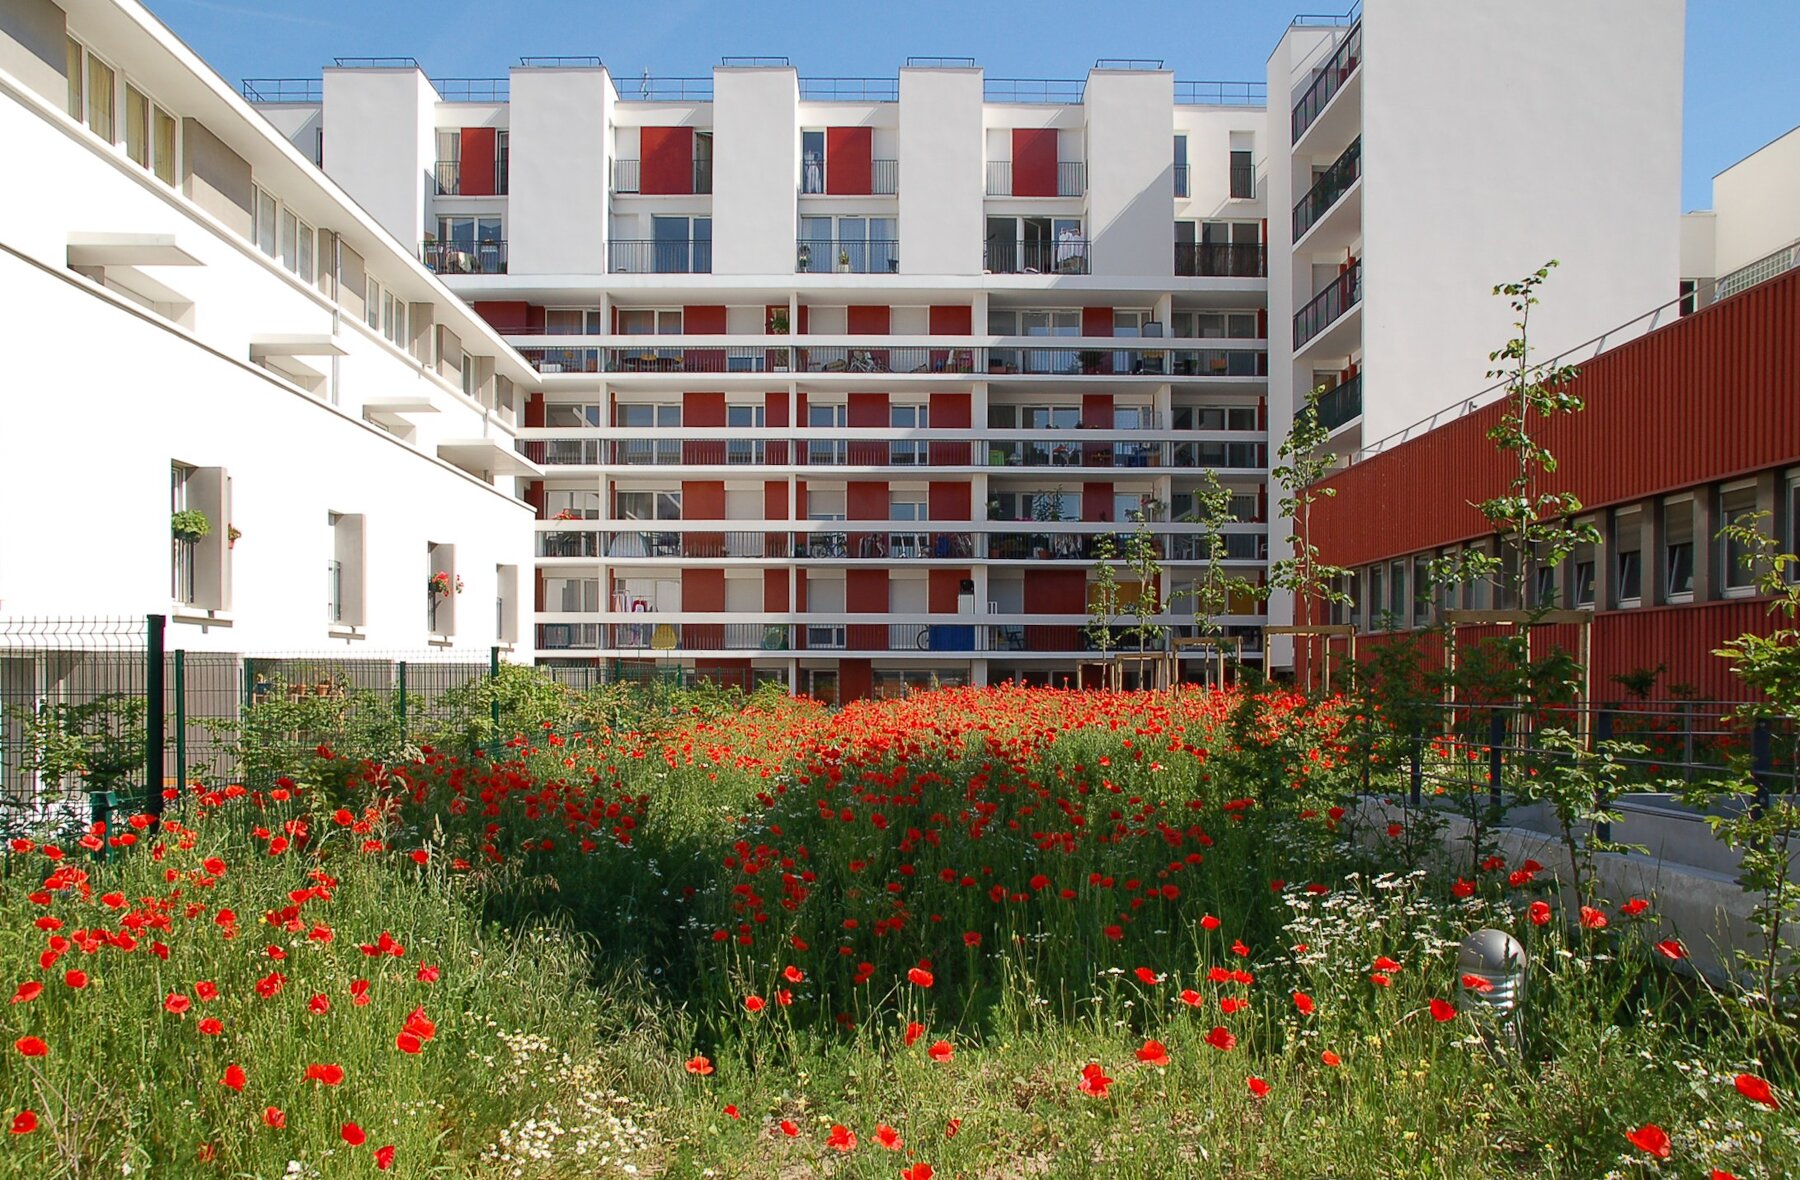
(1735,580)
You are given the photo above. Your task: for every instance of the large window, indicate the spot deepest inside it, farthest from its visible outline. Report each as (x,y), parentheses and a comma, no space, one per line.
(854,245)
(344,585)
(100,98)
(470,245)
(908,417)
(827,416)
(266,219)
(572,503)
(683,245)
(1036,245)
(1182,186)
(641,416)
(812,161)
(647,505)
(571,595)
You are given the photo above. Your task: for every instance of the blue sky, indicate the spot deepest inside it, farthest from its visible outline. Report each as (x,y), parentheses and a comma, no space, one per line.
(1742,55)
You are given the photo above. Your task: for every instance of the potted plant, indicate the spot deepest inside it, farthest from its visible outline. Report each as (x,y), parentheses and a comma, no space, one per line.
(778,324)
(803,258)
(443,584)
(843,264)
(190,524)
(232,533)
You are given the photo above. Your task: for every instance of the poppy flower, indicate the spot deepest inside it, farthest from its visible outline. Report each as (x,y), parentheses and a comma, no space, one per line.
(330,1075)
(917,1172)
(1115,933)
(920,977)
(951,1128)
(1478,983)
(31,1046)
(408,1043)
(1385,965)
(699,1065)
(1592,919)
(1258,1087)
(789,1128)
(1331,1059)
(1191,998)
(1634,907)
(1231,1004)
(25,1122)
(755,1004)
(384,1157)
(793,974)
(941,1051)
(1153,1053)
(1539,913)
(234,1078)
(207,990)
(1148,977)
(1093,1080)
(1650,1139)
(28,991)
(352,1134)
(1670,948)
(1442,1010)
(75,978)
(319,1004)
(1221,1039)
(210,1027)
(177,1003)
(887,1137)
(1208,922)
(273,1116)
(1756,1090)
(1720,1174)
(841,1138)
(971,938)
(1303,1003)
(731,1110)
(428,973)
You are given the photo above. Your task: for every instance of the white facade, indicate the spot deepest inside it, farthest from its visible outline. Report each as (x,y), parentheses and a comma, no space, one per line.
(207,324)
(1752,232)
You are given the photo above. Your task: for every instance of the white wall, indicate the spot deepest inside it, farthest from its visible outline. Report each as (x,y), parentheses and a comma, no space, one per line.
(756,170)
(1130,171)
(941,172)
(1757,201)
(1500,134)
(559,163)
(381,144)
(1209,131)
(1699,257)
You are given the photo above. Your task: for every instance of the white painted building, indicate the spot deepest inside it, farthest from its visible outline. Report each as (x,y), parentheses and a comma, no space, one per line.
(204,331)
(1752,232)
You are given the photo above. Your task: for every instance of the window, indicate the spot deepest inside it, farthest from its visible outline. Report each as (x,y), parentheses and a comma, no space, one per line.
(1215,325)
(1421,587)
(290,240)
(163,147)
(1215,249)
(649,322)
(683,245)
(1181,166)
(264,230)
(1793,528)
(73,55)
(502,161)
(1243,175)
(1678,548)
(812,161)
(642,416)
(853,245)
(1628,563)
(1734,502)
(465,366)
(449,161)
(643,505)
(345,583)
(100,98)
(1397,603)
(826,416)
(137,126)
(578,415)
(471,245)
(1036,245)
(908,417)
(200,568)
(442,586)
(506,604)
(1376,583)
(567,503)
(747,416)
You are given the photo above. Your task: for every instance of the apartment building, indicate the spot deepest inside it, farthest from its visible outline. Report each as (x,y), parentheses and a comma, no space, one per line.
(235,399)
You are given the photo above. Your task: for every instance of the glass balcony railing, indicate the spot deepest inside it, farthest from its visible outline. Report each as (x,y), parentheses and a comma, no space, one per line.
(1343,293)
(1341,404)
(1331,185)
(1328,81)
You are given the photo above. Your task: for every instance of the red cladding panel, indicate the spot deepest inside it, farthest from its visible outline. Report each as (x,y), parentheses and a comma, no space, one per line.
(504,315)
(703,500)
(948,500)
(702,590)
(1096,501)
(703,320)
(950,411)
(703,409)
(534,410)
(866,592)
(866,500)
(667,155)
(1056,592)
(1034,161)
(1096,321)
(856,680)
(945,585)
(476,171)
(952,320)
(868,410)
(867,321)
(534,496)
(775,408)
(775,500)
(1097,411)
(775,592)
(849,161)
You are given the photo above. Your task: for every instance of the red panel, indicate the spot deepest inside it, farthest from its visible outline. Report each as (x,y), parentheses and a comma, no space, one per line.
(504,315)
(849,161)
(1055,592)
(702,590)
(703,409)
(865,320)
(952,320)
(868,410)
(856,680)
(1097,411)
(703,320)
(667,155)
(534,320)
(476,170)
(1034,161)
(775,592)
(866,593)
(534,496)
(1096,501)
(1707,397)
(945,585)
(703,500)
(948,500)
(866,500)
(534,410)
(775,408)
(950,411)
(775,500)
(1096,321)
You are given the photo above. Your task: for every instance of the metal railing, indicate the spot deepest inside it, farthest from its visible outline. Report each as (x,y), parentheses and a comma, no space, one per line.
(1221,260)
(1134,356)
(283,89)
(1065,256)
(447,178)
(847,256)
(1339,296)
(1328,81)
(849,90)
(1341,404)
(653,89)
(1071,179)
(472,89)
(1243,180)
(1067,91)
(1330,186)
(884,179)
(1181,179)
(1221,94)
(464,258)
(562,62)
(625,176)
(812,450)
(675,256)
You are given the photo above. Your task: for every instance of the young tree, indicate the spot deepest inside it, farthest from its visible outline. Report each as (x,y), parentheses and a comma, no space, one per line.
(1103,599)
(1215,589)
(1143,557)
(1303,465)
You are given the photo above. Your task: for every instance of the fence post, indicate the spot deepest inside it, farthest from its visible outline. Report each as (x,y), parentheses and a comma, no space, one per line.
(155,736)
(1416,756)
(1496,744)
(400,699)
(1603,733)
(493,704)
(1761,764)
(180,718)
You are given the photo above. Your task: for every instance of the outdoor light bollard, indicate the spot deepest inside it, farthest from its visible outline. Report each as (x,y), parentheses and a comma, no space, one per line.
(1494,962)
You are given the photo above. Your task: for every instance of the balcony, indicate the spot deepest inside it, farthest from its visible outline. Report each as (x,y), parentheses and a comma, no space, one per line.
(1071,179)
(675,634)
(1341,404)
(1328,306)
(1327,82)
(628,177)
(859,256)
(447,178)
(883,180)
(1328,189)
(1221,260)
(674,256)
(464,258)
(1064,256)
(1125,357)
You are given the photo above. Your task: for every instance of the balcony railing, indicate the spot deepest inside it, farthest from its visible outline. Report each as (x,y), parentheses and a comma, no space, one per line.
(1221,260)
(673,256)
(1071,179)
(1128,357)
(1326,191)
(1074,450)
(464,258)
(1343,293)
(447,178)
(847,256)
(1181,180)
(625,176)
(678,635)
(1064,256)
(1328,81)
(884,179)
(1341,403)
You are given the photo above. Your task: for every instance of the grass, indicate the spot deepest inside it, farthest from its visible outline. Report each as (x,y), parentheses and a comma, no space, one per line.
(583,921)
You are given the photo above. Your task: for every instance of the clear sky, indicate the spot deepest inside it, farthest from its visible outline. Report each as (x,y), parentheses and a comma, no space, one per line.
(1743,56)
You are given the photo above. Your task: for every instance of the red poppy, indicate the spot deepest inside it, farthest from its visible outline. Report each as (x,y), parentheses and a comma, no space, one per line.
(1258,1087)
(352,1134)
(731,1110)
(1093,1080)
(1592,919)
(31,1046)
(177,1003)
(408,1043)
(319,1004)
(755,1003)
(273,1116)
(1539,913)
(699,1065)
(917,1172)
(971,938)
(1634,907)
(1208,922)
(330,1075)
(1231,1004)
(234,1078)
(1148,977)
(1478,983)
(1331,1059)
(887,1137)
(951,1128)
(384,1157)
(1114,932)
(1670,948)
(1221,1039)
(1191,998)
(207,991)
(75,978)
(28,991)
(1756,1090)
(1303,1003)
(428,973)
(1153,1053)
(920,976)
(841,1138)
(25,1122)
(941,1051)
(789,1128)
(1442,1010)
(1385,965)
(1652,1139)
(793,974)
(210,1027)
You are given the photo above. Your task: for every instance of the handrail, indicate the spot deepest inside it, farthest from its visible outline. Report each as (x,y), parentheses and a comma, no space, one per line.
(850,90)
(1128,63)
(1068,91)
(1329,305)
(473,89)
(376,63)
(1221,94)
(561,62)
(940,63)
(283,89)
(1329,79)
(752,62)
(650,88)
(1331,185)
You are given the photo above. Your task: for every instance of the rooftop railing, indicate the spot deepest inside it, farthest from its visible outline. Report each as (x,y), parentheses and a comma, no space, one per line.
(1343,293)
(1221,94)
(473,89)
(1328,81)
(1033,90)
(561,62)
(1331,185)
(653,89)
(283,89)
(850,90)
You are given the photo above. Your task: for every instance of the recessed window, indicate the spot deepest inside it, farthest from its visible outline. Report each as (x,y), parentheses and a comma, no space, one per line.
(137,126)
(100,98)
(266,218)
(644,505)
(344,583)
(1243,175)
(1735,502)
(1678,547)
